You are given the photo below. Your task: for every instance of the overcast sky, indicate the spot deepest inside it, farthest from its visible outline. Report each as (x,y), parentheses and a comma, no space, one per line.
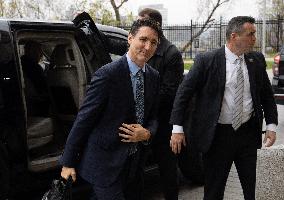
(182,11)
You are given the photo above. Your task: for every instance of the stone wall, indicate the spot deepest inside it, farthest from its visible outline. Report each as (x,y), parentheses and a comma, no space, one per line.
(270,173)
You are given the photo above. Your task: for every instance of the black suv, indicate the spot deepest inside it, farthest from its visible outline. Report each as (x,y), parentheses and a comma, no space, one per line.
(30,145)
(278,77)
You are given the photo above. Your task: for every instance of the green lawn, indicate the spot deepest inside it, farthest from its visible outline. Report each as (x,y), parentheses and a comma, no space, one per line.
(269,64)
(188,63)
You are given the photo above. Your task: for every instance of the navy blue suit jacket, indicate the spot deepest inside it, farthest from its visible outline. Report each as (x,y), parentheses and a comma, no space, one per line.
(205,84)
(93,145)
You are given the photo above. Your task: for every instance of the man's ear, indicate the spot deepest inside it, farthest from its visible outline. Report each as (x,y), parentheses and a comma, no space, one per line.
(234,35)
(129,38)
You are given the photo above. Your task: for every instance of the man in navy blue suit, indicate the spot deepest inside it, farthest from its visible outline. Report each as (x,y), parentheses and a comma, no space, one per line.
(118,117)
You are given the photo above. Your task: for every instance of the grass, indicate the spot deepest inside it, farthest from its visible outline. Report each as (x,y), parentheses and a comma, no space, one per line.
(269,64)
(188,64)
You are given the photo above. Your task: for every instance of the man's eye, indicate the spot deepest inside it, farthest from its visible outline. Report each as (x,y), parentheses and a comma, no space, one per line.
(143,39)
(154,43)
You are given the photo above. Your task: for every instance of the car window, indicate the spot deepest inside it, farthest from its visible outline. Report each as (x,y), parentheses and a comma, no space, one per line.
(116,46)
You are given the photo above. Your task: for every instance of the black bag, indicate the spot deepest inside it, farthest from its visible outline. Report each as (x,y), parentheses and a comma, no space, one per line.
(60,190)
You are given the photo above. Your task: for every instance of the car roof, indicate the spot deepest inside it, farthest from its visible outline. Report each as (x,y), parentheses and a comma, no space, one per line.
(27,20)
(110,30)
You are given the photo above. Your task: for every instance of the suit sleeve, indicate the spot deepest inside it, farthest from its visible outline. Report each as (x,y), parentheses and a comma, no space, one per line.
(267,99)
(173,73)
(88,115)
(152,122)
(190,84)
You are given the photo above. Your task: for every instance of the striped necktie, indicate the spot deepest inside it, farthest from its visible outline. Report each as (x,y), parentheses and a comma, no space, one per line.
(238,97)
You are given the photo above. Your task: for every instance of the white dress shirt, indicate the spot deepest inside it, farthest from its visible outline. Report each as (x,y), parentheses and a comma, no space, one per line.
(226,113)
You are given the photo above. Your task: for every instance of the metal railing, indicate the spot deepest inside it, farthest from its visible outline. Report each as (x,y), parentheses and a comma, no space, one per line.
(214,36)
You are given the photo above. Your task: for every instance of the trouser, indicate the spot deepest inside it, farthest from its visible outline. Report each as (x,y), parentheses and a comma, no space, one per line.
(167,161)
(4,173)
(129,185)
(231,146)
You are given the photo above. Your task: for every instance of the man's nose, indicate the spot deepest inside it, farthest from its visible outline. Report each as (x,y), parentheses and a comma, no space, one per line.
(147,45)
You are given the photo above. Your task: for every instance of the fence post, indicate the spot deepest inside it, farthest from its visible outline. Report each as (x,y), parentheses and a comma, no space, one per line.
(263,43)
(191,35)
(220,38)
(278,32)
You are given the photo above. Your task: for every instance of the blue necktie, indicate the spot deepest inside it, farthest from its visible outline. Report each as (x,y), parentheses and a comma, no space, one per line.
(139,105)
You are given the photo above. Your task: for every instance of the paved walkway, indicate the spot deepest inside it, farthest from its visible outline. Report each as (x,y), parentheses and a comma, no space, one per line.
(189,191)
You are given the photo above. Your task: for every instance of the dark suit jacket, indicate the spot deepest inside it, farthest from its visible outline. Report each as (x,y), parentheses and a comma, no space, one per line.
(94,142)
(168,61)
(205,82)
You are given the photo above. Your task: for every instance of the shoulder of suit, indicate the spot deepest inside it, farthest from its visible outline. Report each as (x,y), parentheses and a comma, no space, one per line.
(255,53)
(152,70)
(209,54)
(111,67)
(165,46)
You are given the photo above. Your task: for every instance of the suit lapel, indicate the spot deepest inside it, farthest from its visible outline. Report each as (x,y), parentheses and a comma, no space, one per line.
(128,84)
(221,68)
(250,62)
(147,93)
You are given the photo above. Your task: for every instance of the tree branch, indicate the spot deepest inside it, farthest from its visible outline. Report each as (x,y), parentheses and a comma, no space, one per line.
(121,3)
(207,24)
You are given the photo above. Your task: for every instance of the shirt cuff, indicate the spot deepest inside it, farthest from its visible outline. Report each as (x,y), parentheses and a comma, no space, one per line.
(271,127)
(177,129)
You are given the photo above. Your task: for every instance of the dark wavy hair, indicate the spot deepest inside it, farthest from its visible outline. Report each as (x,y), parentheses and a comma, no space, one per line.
(146,22)
(152,13)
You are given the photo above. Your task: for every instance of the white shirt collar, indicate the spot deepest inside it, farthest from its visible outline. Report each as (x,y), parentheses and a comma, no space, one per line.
(230,56)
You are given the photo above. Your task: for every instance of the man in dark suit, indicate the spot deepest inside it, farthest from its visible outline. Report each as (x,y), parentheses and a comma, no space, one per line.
(117,118)
(168,61)
(231,91)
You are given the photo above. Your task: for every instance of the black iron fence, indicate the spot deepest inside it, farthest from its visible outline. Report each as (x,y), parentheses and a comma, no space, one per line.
(214,36)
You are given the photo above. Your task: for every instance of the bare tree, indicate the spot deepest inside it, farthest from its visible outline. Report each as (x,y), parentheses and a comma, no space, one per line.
(209,6)
(116,9)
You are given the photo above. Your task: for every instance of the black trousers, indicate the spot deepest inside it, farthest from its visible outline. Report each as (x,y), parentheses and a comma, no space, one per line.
(166,160)
(4,173)
(130,183)
(231,146)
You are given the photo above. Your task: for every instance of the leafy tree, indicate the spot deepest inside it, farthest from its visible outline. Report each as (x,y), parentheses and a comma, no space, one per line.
(275,9)
(2,8)
(100,12)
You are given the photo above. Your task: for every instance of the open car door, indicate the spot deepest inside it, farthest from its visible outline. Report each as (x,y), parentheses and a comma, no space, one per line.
(92,43)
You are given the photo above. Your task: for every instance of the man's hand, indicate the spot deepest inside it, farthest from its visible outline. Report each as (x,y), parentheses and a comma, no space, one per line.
(269,138)
(133,133)
(176,142)
(67,171)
